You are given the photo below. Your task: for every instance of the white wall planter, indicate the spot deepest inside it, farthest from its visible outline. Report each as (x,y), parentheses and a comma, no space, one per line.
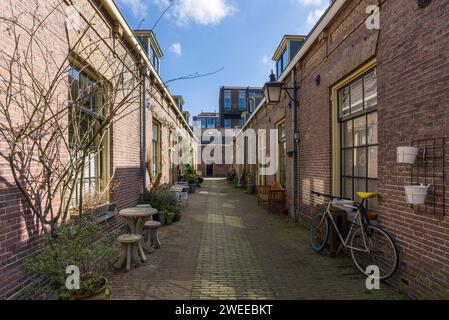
(407,155)
(416,194)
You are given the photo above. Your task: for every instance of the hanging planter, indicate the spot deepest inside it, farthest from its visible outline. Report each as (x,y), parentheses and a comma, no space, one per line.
(407,155)
(416,194)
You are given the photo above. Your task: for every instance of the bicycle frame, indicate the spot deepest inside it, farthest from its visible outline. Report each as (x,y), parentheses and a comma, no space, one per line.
(357,219)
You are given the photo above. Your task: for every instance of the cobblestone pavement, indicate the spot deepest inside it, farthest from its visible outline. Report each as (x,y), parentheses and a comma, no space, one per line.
(227,247)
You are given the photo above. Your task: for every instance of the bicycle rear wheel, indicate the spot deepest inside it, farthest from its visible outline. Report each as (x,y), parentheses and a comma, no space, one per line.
(319,232)
(382,251)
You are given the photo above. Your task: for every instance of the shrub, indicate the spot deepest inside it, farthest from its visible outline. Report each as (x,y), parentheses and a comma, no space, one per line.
(75,245)
(163,200)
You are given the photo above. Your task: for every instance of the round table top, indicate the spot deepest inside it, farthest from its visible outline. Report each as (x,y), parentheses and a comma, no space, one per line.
(138,212)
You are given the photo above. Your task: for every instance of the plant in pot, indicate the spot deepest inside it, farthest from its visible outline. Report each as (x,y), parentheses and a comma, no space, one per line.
(190,176)
(77,245)
(165,202)
(250,186)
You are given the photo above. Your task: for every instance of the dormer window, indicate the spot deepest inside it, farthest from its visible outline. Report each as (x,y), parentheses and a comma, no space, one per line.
(286,51)
(151,47)
(282,63)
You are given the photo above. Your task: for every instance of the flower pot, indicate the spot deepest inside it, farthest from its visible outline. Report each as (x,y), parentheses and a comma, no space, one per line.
(407,155)
(251,188)
(416,194)
(102,293)
(163,219)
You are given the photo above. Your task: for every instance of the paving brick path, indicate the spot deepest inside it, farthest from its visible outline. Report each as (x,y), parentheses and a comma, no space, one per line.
(226,247)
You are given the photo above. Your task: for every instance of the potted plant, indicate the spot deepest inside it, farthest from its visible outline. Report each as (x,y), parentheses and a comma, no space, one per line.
(190,176)
(250,186)
(416,195)
(77,245)
(165,202)
(408,155)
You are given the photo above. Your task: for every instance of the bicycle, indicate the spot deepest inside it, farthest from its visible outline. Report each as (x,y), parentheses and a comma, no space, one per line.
(369,244)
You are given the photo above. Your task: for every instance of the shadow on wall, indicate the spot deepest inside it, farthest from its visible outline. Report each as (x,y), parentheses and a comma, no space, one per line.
(127,186)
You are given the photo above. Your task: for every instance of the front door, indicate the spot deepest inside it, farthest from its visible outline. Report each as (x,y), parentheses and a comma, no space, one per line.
(210,170)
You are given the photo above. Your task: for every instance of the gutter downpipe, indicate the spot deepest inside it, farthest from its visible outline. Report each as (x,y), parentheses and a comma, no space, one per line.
(295,135)
(144,74)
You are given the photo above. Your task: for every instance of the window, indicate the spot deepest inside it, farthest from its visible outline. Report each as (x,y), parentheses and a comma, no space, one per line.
(242,101)
(227,100)
(357,103)
(203,123)
(172,149)
(282,63)
(228,123)
(156,161)
(88,98)
(282,149)
(154,58)
(241,122)
(211,123)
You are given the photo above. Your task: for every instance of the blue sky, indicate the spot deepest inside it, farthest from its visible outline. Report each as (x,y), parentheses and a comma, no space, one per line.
(205,35)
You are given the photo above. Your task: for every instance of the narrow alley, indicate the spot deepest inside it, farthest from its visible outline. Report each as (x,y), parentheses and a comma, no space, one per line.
(227,247)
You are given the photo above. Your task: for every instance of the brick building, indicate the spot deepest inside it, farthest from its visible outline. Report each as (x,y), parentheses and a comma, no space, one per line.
(147,132)
(234,103)
(362,93)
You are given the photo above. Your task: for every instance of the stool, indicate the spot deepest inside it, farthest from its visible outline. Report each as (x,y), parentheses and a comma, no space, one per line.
(152,237)
(129,242)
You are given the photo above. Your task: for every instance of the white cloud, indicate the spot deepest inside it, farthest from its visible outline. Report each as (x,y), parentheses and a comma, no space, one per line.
(139,8)
(313,16)
(203,12)
(176,49)
(265,60)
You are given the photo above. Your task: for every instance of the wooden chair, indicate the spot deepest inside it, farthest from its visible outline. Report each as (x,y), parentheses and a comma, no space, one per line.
(276,196)
(263,194)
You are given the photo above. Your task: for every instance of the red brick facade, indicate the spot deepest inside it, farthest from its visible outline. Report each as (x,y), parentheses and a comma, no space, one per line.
(19,234)
(411,54)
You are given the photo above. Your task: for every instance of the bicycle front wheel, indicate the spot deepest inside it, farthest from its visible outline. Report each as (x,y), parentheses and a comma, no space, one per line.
(381,251)
(319,232)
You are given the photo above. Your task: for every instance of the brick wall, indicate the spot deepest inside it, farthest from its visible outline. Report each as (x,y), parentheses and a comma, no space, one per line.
(412,52)
(19,233)
(412,55)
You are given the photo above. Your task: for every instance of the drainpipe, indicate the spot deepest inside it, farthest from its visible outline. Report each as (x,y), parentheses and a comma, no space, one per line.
(144,74)
(295,135)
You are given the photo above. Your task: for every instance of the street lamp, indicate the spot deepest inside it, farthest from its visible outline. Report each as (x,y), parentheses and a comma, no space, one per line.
(272,90)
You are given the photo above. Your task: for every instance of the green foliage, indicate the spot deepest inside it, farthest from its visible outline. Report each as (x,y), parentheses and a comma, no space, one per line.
(80,245)
(189,174)
(171,216)
(163,200)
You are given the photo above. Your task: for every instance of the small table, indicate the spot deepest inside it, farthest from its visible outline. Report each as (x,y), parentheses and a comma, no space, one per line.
(134,217)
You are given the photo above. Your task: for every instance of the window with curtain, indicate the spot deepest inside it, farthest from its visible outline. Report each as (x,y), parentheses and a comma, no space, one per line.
(282,158)
(357,103)
(87,97)
(156,160)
